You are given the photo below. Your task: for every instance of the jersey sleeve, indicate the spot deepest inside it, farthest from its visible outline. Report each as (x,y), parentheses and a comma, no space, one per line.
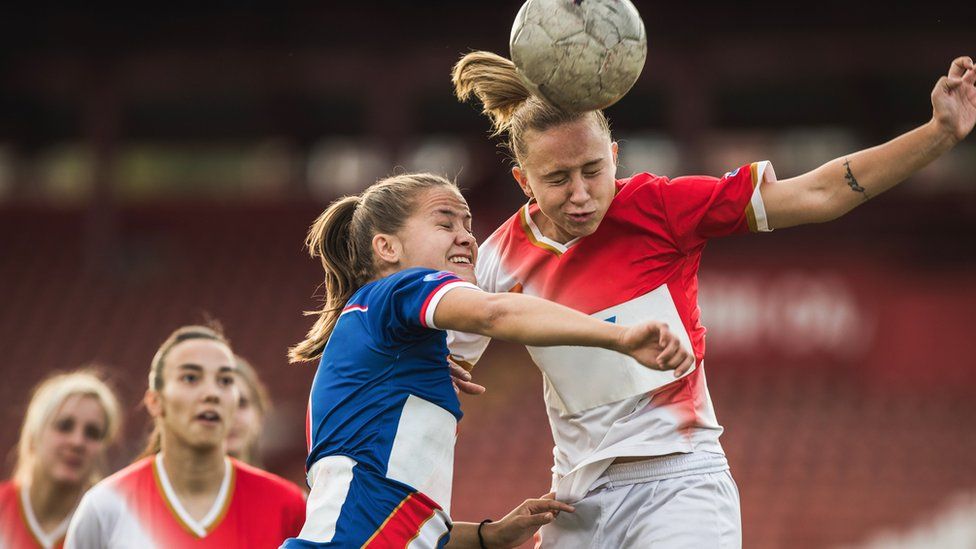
(85,529)
(416,295)
(701,207)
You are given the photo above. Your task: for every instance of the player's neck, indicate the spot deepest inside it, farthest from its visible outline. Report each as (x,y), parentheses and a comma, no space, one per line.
(193,471)
(51,502)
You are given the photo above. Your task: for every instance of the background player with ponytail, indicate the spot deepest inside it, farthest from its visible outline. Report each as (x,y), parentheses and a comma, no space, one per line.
(646,468)
(399,270)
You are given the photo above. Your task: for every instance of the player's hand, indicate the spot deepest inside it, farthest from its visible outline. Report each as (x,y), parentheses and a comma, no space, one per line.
(954,99)
(462,379)
(654,346)
(519,525)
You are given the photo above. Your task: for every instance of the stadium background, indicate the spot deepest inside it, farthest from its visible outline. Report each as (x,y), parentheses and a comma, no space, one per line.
(162,164)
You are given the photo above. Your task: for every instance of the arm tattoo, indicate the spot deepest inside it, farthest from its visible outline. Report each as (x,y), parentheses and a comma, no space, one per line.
(852,181)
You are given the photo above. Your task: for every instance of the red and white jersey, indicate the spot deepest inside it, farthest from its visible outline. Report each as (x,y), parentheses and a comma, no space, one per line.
(641,264)
(19,528)
(137,507)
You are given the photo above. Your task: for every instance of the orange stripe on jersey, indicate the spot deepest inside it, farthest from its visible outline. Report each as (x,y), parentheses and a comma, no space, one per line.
(404,523)
(531,236)
(750,212)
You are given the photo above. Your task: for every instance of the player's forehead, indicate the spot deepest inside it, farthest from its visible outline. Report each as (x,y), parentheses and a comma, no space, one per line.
(441,202)
(200,355)
(566,146)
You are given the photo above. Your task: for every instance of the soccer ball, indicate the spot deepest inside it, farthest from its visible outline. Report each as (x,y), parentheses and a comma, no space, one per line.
(580,55)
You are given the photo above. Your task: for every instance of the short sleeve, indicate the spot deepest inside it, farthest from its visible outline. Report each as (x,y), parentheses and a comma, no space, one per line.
(417,293)
(701,207)
(85,529)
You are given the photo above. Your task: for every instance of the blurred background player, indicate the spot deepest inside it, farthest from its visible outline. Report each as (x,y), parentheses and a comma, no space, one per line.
(648,470)
(244,438)
(71,419)
(399,265)
(185,491)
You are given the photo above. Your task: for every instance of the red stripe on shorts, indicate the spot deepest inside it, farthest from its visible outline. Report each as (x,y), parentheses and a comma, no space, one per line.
(404,523)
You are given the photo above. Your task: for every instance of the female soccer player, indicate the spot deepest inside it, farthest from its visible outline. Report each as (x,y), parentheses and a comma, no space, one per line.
(253,406)
(186,492)
(70,421)
(383,416)
(645,468)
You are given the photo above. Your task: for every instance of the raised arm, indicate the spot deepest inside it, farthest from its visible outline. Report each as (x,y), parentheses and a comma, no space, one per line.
(533,321)
(842,184)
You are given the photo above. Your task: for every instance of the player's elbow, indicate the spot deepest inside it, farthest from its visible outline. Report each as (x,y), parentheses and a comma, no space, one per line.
(492,316)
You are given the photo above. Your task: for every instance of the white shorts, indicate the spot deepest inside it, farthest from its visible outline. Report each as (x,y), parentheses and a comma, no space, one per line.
(673,502)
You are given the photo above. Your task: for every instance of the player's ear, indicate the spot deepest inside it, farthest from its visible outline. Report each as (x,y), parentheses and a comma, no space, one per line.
(154,403)
(387,248)
(522,180)
(613,149)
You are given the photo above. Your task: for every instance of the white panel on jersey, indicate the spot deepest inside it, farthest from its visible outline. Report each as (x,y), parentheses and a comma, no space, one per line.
(764,173)
(46,539)
(586,377)
(330,478)
(423,450)
(431,532)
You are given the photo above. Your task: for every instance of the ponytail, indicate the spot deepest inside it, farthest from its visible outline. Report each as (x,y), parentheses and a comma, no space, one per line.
(494,80)
(342,238)
(508,102)
(330,240)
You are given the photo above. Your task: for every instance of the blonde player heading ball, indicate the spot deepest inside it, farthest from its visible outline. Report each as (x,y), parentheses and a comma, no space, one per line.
(641,462)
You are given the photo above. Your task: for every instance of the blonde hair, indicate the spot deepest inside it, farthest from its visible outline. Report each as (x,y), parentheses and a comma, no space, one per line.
(261,401)
(213,332)
(508,102)
(47,398)
(342,237)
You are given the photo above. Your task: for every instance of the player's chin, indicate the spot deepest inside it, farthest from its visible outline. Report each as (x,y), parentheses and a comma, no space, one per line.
(464,271)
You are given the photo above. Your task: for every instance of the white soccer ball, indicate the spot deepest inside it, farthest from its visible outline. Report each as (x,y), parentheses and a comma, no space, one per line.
(580,55)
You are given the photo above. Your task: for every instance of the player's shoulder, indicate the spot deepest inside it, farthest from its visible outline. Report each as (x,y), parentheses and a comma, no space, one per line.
(263,485)
(133,478)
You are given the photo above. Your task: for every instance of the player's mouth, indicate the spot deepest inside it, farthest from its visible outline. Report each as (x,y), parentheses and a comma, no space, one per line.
(583,217)
(208,417)
(458,260)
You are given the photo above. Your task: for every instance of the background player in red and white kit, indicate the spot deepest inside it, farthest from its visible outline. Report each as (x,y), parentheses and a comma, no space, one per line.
(70,421)
(189,493)
(243,439)
(642,462)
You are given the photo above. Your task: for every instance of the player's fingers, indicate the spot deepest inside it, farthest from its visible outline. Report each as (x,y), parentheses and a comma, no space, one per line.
(960,65)
(536,506)
(678,358)
(685,366)
(458,372)
(664,358)
(469,387)
(969,77)
(534,521)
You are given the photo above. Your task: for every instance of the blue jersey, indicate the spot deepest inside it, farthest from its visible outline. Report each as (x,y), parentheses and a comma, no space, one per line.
(382,395)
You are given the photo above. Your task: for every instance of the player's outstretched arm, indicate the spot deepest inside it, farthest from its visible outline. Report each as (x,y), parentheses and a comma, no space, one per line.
(533,321)
(842,184)
(515,529)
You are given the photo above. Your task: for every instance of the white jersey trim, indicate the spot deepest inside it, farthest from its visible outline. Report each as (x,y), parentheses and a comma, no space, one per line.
(438,295)
(762,172)
(330,479)
(47,540)
(422,455)
(197,527)
(539,237)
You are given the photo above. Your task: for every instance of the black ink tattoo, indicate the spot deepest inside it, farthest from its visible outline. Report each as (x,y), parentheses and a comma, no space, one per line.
(852,181)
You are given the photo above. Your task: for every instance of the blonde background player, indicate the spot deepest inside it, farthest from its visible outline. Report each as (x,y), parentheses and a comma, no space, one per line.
(70,421)
(646,469)
(383,416)
(243,439)
(186,492)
